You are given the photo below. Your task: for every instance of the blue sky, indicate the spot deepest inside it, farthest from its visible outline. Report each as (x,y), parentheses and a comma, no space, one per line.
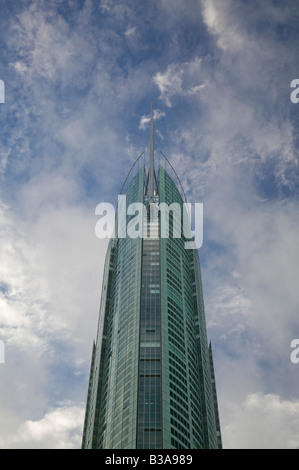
(79,78)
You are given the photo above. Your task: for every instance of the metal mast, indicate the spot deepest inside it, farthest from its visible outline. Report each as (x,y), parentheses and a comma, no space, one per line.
(152,167)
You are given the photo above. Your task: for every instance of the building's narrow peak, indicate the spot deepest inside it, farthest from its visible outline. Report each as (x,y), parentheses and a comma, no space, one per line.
(152,162)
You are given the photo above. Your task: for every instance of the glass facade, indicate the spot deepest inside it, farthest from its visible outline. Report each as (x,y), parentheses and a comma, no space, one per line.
(149,417)
(152,383)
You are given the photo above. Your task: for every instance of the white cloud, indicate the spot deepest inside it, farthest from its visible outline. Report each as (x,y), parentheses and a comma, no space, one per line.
(60,428)
(49,300)
(131,31)
(47,48)
(179,79)
(262,421)
(218,18)
(169,82)
(23,305)
(4,157)
(48,284)
(145,120)
(242,119)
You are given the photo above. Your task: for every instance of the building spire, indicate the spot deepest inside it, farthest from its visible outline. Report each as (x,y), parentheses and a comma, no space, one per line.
(152,164)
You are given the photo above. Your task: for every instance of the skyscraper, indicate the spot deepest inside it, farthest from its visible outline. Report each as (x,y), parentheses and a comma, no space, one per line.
(152,383)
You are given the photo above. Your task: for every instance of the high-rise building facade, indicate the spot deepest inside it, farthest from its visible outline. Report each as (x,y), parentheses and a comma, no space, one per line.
(152,383)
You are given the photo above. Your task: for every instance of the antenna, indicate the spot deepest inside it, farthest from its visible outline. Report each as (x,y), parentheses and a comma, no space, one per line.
(152,165)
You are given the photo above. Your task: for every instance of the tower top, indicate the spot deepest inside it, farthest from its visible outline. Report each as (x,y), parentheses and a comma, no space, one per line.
(152,163)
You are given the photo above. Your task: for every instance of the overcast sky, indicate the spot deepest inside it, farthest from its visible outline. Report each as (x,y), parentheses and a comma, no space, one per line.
(79,78)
